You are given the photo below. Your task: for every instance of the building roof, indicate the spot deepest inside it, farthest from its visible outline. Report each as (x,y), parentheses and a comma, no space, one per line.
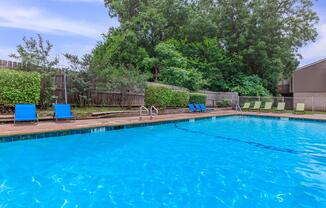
(311,64)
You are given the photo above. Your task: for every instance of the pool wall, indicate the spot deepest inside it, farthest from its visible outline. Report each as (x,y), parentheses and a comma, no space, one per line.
(21,137)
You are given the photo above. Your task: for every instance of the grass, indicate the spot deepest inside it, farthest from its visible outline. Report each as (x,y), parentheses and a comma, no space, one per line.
(80,111)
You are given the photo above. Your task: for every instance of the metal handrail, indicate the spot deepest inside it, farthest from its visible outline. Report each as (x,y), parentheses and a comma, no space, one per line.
(141,110)
(238,108)
(151,111)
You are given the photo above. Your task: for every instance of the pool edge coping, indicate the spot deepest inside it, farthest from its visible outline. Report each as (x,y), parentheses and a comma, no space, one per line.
(109,127)
(114,126)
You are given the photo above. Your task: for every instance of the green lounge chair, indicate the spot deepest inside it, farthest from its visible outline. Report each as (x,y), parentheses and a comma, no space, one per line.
(299,108)
(280,107)
(246,106)
(268,106)
(256,106)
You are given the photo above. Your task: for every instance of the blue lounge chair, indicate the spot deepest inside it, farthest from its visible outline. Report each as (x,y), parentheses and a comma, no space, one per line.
(191,108)
(62,111)
(203,107)
(198,108)
(25,112)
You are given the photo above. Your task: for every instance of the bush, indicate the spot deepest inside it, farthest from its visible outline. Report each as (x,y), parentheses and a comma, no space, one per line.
(249,86)
(19,87)
(197,98)
(188,78)
(179,99)
(161,96)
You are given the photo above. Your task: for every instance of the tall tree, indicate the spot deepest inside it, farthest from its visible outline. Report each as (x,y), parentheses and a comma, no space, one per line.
(267,34)
(35,55)
(262,37)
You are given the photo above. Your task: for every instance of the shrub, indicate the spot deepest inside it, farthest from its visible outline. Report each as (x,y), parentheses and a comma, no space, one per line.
(188,78)
(19,87)
(249,86)
(179,99)
(197,98)
(161,96)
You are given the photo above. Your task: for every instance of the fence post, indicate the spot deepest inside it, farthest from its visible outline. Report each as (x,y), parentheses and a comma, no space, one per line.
(65,86)
(312,104)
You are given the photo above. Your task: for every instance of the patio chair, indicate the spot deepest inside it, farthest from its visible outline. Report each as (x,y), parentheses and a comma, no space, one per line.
(25,112)
(299,108)
(191,108)
(203,107)
(62,111)
(246,106)
(280,107)
(198,108)
(268,106)
(256,106)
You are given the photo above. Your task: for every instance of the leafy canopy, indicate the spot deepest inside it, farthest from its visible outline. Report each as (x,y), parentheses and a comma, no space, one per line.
(217,41)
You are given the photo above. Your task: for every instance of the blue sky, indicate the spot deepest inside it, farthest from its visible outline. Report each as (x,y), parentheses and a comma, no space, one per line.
(75,26)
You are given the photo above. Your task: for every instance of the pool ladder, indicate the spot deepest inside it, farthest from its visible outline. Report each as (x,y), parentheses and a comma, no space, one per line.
(153,111)
(143,111)
(238,108)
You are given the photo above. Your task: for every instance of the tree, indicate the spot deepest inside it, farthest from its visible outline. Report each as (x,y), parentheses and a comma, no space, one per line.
(35,55)
(227,38)
(79,77)
(175,68)
(248,86)
(266,34)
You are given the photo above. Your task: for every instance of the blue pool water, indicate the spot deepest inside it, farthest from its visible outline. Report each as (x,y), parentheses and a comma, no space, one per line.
(223,162)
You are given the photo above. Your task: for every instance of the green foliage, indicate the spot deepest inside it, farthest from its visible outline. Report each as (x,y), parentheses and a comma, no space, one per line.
(120,63)
(249,86)
(126,80)
(255,38)
(119,50)
(179,99)
(158,96)
(35,55)
(190,78)
(162,96)
(19,87)
(176,68)
(197,98)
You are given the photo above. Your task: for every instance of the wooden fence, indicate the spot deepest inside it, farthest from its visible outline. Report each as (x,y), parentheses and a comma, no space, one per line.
(95,97)
(9,64)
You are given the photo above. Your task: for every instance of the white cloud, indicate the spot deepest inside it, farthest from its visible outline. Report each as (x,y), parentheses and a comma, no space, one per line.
(35,19)
(316,50)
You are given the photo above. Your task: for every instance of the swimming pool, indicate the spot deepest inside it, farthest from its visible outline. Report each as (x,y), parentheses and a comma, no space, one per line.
(230,161)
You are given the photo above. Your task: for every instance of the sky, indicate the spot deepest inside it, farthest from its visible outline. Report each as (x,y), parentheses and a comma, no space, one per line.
(75,26)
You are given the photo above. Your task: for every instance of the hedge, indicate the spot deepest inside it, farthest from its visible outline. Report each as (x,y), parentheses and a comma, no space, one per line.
(19,87)
(179,99)
(161,96)
(197,98)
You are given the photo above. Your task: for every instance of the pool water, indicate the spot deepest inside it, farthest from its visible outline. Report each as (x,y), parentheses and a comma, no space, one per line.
(218,162)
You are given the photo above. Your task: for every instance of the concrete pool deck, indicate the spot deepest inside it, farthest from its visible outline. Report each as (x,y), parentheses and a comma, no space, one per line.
(51,126)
